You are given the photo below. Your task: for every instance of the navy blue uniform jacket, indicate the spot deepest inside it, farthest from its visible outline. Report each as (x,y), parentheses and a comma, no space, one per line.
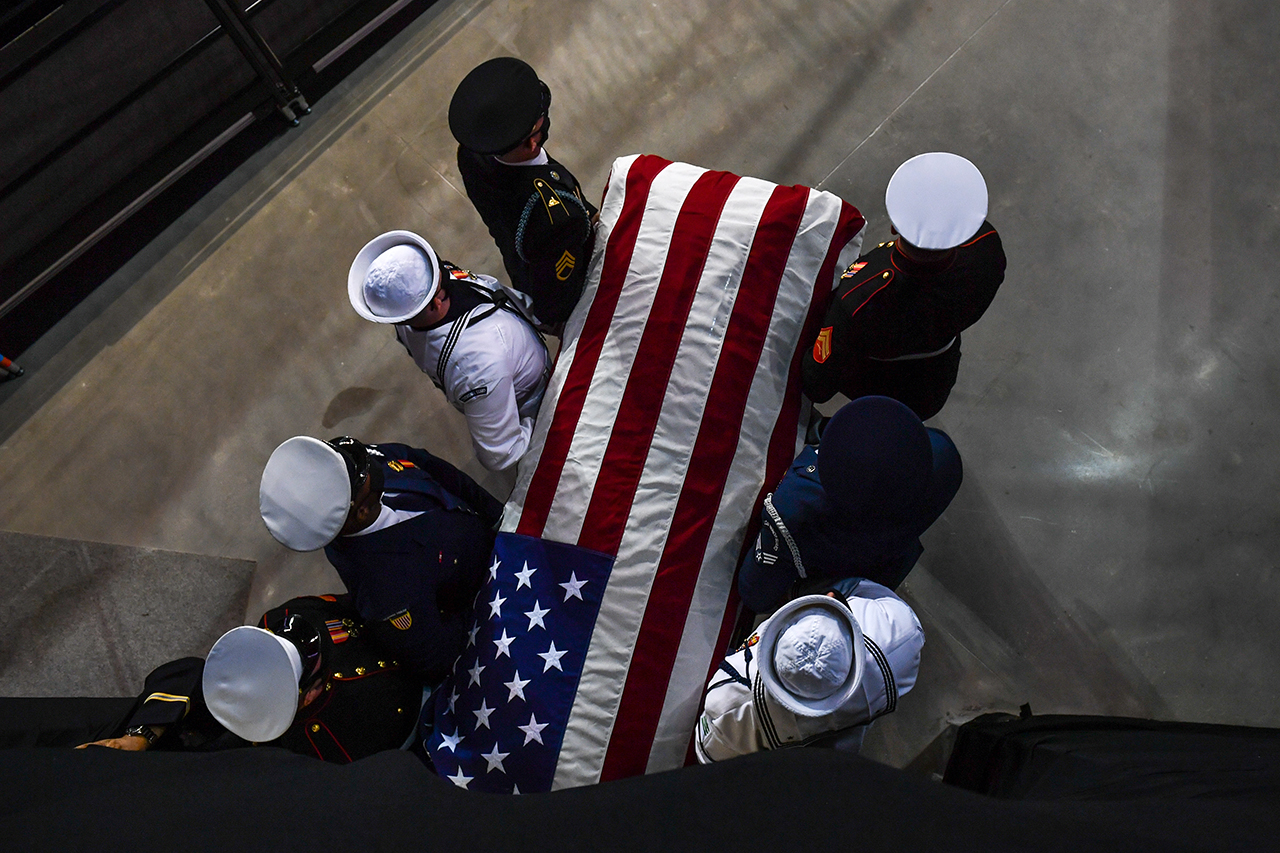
(414,582)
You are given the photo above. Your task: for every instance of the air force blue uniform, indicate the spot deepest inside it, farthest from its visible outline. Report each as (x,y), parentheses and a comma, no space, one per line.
(414,582)
(806,537)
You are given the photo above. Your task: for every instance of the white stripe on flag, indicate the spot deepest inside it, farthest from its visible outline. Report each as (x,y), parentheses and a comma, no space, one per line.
(744,484)
(609,656)
(610,208)
(615,367)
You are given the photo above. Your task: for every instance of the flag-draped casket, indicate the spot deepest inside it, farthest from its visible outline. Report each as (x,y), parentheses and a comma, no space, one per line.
(674,403)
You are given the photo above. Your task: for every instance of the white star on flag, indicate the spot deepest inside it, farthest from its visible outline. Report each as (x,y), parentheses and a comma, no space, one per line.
(495,606)
(453,699)
(552,657)
(493,570)
(471,635)
(460,779)
(524,576)
(533,731)
(495,759)
(573,589)
(450,742)
(475,673)
(535,616)
(503,643)
(516,686)
(482,714)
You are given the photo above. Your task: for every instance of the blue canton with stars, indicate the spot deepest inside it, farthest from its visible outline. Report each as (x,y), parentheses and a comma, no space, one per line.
(500,717)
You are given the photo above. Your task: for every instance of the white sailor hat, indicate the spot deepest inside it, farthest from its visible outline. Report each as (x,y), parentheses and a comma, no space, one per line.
(811,655)
(305,494)
(393,277)
(936,200)
(251,681)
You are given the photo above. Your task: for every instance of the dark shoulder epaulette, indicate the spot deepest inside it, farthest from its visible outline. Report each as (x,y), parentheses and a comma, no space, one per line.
(548,210)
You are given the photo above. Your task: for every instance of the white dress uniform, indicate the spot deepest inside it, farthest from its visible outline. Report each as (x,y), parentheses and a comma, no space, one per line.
(494,371)
(740,716)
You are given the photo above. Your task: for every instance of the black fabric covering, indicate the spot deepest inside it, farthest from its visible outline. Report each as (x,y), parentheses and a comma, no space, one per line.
(1116,758)
(811,800)
(59,721)
(1216,786)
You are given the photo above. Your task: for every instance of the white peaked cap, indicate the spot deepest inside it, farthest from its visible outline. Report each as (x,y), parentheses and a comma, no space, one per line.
(250,683)
(305,493)
(393,277)
(936,200)
(811,655)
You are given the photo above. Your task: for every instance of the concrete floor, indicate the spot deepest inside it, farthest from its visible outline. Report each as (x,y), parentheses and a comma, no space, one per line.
(1112,548)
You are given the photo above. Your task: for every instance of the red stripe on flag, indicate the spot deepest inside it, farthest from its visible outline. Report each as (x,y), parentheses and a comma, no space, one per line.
(782,448)
(617,260)
(605,520)
(782,442)
(666,612)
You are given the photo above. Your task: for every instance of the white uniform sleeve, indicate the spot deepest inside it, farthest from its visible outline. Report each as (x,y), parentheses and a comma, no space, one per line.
(727,727)
(483,388)
(891,623)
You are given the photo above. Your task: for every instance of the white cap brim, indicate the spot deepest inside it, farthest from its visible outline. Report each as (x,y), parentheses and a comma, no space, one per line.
(250,684)
(786,616)
(305,494)
(366,256)
(936,200)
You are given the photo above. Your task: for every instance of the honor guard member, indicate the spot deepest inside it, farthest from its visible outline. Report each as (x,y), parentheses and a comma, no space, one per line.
(816,673)
(409,534)
(531,204)
(853,506)
(308,680)
(465,332)
(893,325)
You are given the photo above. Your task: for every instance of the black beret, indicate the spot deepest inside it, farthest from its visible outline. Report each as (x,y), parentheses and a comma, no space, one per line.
(496,106)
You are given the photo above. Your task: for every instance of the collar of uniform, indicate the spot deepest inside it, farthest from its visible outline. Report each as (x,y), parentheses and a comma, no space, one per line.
(540,160)
(910,266)
(387,517)
(461,300)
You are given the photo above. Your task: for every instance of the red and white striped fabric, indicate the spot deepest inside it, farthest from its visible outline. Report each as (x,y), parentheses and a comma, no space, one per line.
(674,401)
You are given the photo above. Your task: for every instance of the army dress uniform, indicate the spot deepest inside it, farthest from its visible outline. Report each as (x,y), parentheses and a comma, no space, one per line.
(369,702)
(535,209)
(542,223)
(893,325)
(414,575)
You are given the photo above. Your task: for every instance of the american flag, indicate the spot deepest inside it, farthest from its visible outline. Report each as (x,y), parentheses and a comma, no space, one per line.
(674,403)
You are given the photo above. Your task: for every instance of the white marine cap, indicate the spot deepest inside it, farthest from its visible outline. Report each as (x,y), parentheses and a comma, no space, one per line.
(393,277)
(305,494)
(811,655)
(936,200)
(250,683)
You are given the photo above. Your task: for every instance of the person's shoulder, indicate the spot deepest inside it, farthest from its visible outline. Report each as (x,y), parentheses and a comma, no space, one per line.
(984,243)
(314,606)
(874,266)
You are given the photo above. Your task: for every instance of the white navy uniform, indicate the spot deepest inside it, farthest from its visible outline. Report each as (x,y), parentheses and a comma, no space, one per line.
(495,372)
(740,716)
